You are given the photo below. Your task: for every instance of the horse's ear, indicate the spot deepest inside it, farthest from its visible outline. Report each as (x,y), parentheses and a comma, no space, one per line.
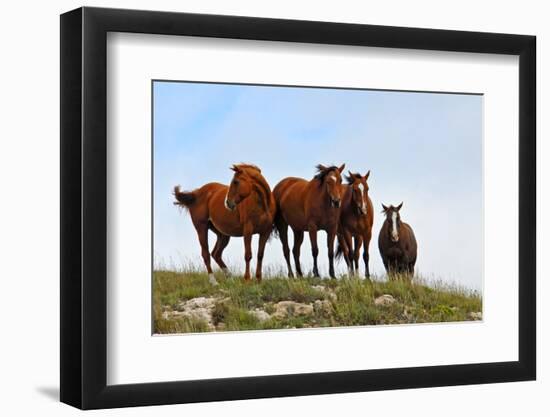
(367,174)
(399,206)
(341,168)
(385,208)
(235,168)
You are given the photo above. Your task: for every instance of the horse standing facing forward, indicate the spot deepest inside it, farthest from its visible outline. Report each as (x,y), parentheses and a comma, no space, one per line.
(309,206)
(356,219)
(244,208)
(397,243)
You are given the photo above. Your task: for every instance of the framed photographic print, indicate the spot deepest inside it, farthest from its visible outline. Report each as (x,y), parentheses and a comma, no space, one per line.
(257,207)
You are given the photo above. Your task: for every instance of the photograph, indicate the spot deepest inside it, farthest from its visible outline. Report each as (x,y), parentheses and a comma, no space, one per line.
(299,207)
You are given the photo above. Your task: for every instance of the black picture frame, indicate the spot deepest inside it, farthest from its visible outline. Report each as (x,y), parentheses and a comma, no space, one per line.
(84,207)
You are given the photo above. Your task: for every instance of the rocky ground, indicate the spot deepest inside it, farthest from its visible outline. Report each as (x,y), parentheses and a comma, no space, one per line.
(186,302)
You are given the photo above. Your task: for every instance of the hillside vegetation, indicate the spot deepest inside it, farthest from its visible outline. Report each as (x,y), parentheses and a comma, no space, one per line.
(186,302)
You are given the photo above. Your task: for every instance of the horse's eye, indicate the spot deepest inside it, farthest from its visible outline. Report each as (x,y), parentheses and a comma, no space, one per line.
(236,182)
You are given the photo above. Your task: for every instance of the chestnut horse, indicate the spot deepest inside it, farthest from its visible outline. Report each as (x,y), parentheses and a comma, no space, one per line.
(309,206)
(356,218)
(244,208)
(397,243)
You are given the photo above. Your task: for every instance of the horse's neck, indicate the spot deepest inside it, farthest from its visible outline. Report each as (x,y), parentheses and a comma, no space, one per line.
(315,184)
(347,201)
(261,187)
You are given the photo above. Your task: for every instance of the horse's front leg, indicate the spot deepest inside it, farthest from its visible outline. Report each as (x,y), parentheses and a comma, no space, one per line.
(331,234)
(314,248)
(247,252)
(261,247)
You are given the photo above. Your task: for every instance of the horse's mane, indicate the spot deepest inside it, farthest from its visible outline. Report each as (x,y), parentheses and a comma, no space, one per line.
(323,171)
(351,178)
(255,174)
(243,166)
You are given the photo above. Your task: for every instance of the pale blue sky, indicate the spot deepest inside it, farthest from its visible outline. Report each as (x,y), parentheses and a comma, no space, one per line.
(422,148)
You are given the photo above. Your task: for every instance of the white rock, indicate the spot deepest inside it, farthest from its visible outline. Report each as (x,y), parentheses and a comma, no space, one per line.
(261,315)
(323,307)
(327,291)
(291,308)
(475,315)
(384,300)
(199,308)
(195,303)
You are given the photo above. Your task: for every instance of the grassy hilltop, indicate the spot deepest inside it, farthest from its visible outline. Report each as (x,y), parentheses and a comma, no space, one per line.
(186,302)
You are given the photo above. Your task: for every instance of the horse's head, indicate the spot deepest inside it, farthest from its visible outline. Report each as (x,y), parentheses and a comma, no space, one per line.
(240,187)
(394,220)
(359,191)
(331,179)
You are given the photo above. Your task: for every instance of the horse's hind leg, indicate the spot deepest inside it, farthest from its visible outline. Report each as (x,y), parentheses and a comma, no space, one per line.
(298,239)
(358,240)
(282,230)
(366,243)
(347,248)
(221,244)
(202,232)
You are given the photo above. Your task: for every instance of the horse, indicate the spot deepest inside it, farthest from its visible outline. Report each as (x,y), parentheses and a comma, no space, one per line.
(244,208)
(356,219)
(309,206)
(397,243)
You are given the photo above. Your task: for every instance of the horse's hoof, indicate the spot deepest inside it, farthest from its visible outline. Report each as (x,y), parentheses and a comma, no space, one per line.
(226,272)
(212,279)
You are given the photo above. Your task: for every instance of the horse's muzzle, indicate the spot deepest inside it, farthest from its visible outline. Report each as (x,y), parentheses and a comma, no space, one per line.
(335,202)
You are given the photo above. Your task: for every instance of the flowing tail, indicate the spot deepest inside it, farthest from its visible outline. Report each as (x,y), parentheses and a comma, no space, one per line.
(184,198)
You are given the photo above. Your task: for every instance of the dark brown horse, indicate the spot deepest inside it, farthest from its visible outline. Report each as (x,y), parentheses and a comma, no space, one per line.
(397,243)
(244,208)
(356,218)
(309,206)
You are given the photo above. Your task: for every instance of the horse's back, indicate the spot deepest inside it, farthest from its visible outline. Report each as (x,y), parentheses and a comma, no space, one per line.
(289,195)
(203,196)
(290,190)
(411,242)
(284,185)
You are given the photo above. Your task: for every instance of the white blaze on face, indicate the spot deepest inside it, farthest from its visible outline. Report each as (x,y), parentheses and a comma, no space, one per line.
(332,177)
(363,204)
(394,234)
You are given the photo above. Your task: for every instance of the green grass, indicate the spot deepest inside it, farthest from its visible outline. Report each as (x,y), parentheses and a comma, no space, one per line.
(341,302)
